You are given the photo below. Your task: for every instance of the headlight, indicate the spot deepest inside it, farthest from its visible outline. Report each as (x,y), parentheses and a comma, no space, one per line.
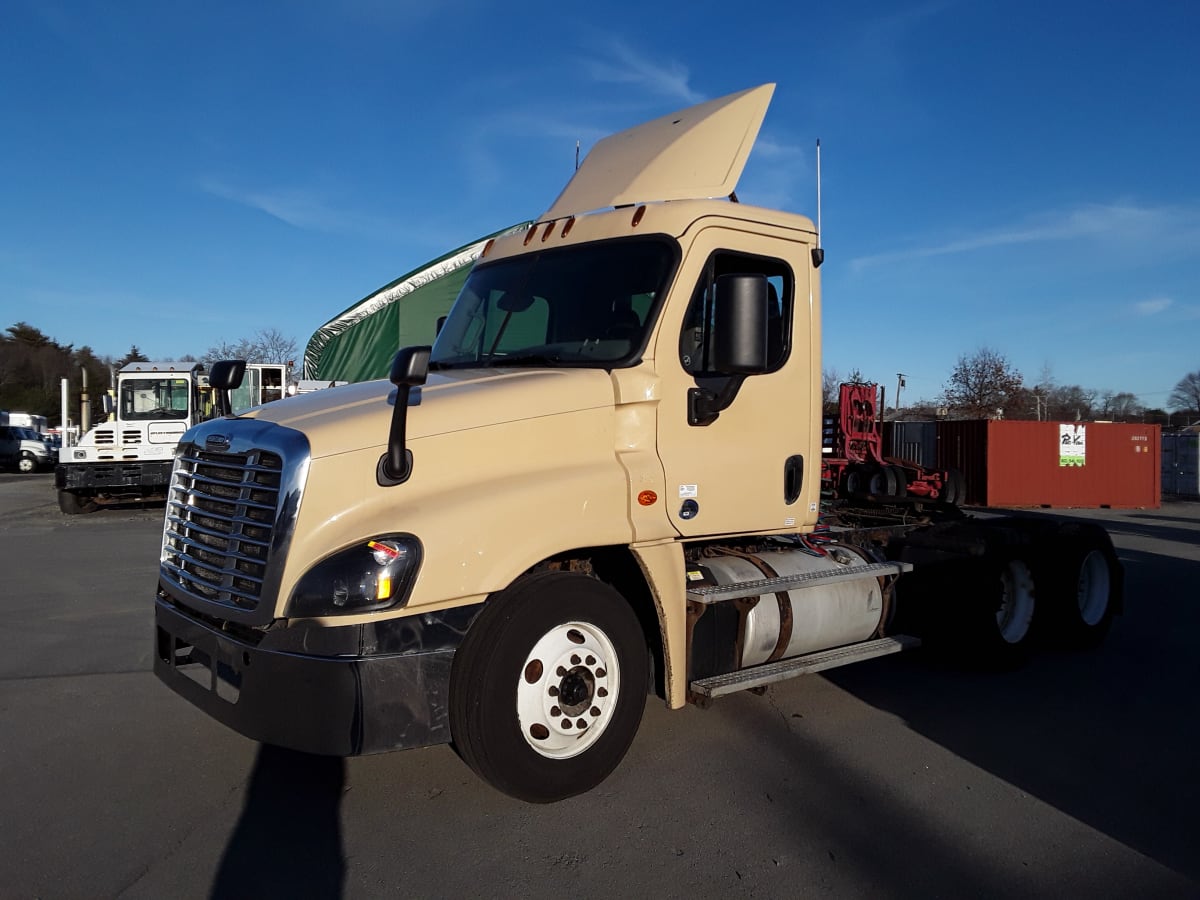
(373,575)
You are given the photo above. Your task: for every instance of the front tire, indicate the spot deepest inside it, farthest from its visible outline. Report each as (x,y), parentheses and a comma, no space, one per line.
(27,464)
(73,504)
(548,687)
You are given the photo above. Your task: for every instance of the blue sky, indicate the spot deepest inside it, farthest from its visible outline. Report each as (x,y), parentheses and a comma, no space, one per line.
(1016,175)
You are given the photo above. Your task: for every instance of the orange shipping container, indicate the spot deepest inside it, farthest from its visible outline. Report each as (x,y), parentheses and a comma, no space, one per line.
(1055,464)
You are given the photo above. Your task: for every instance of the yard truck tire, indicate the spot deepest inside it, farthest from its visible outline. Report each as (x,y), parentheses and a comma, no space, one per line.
(549,686)
(73,504)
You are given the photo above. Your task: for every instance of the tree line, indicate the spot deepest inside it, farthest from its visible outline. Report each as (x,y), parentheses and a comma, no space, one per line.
(985,385)
(33,364)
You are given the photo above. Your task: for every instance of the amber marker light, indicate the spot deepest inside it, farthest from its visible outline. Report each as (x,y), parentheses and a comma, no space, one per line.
(647,498)
(637,216)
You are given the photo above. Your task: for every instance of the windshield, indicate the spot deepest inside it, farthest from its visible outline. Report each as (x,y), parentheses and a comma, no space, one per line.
(143,399)
(588,305)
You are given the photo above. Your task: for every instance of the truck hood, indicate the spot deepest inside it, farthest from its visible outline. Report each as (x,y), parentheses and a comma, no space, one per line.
(358,416)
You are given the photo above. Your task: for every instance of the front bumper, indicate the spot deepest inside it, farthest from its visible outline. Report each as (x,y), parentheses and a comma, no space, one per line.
(128,476)
(340,691)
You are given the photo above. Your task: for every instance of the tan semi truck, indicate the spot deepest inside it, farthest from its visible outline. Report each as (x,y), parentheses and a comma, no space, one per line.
(602,481)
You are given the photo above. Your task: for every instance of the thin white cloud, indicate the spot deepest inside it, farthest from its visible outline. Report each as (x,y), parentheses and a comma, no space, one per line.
(1152,307)
(304,209)
(622,64)
(1126,223)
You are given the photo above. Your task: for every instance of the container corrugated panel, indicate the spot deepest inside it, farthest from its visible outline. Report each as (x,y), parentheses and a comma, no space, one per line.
(1110,465)
(964,446)
(1181,464)
(913,441)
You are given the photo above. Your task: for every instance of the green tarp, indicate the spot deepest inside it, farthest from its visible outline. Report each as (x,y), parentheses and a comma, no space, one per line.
(358,344)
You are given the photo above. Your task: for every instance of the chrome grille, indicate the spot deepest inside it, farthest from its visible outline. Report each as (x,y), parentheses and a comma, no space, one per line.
(221,515)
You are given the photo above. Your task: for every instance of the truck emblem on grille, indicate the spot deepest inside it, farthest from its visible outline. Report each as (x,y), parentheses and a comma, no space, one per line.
(216,442)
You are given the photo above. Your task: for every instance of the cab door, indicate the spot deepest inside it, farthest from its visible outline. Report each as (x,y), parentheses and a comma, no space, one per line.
(755,465)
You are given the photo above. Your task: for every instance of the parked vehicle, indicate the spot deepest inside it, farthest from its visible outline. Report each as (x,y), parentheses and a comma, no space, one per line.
(129,457)
(603,479)
(24,449)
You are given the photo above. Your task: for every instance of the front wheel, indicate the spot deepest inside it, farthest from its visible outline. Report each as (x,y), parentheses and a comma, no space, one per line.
(73,504)
(548,687)
(27,464)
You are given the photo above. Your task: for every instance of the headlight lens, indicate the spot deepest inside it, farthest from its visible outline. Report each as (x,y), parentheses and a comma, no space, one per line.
(372,575)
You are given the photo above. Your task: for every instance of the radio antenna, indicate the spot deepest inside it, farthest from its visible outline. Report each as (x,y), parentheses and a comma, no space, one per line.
(818,253)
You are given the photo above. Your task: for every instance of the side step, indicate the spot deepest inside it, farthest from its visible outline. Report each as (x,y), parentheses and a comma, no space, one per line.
(759,676)
(717,593)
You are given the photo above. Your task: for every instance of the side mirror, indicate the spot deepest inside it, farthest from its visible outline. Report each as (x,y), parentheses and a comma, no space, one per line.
(226,376)
(410,367)
(740,325)
(739,348)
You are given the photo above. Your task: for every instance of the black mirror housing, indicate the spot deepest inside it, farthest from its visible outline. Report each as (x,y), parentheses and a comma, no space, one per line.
(410,367)
(227,374)
(740,325)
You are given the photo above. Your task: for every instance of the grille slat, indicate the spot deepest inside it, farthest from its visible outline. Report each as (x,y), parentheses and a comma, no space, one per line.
(221,513)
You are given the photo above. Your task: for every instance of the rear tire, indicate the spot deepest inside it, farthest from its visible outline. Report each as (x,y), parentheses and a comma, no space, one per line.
(73,504)
(548,687)
(999,632)
(955,488)
(1083,584)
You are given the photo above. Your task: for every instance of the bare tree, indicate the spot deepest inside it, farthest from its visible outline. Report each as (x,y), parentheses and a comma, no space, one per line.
(1070,403)
(830,382)
(268,345)
(1120,407)
(1185,396)
(983,385)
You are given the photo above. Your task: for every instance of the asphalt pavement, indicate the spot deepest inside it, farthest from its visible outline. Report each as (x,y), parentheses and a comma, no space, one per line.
(1073,776)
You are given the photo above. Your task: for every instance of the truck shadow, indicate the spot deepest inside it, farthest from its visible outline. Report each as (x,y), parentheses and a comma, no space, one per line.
(288,840)
(1106,736)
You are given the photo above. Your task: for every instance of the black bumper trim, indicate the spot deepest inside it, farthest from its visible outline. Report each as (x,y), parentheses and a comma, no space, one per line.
(328,705)
(113,474)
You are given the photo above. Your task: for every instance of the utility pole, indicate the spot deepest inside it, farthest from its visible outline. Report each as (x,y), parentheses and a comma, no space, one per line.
(899,385)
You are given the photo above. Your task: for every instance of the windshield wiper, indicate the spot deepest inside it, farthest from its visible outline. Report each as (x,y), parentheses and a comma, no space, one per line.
(524,359)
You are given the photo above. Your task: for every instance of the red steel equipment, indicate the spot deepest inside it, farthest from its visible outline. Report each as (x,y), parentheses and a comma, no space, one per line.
(857,468)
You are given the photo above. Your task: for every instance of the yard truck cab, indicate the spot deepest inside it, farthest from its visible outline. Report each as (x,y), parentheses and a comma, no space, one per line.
(602,480)
(129,457)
